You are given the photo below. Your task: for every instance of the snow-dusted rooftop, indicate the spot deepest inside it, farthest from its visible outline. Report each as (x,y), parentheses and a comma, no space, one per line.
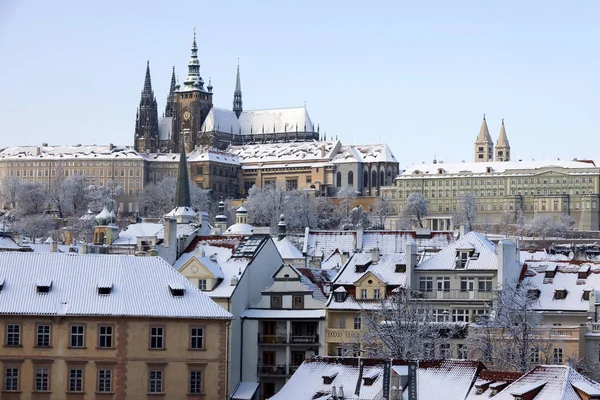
(307,152)
(140,286)
(287,250)
(384,269)
(258,121)
(367,153)
(496,167)
(483,255)
(204,154)
(69,152)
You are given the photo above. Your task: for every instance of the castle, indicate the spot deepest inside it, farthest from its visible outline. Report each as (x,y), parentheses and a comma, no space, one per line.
(190,109)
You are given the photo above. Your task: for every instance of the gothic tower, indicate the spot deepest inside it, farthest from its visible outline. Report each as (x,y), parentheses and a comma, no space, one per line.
(146,121)
(237,95)
(169,107)
(502,145)
(484,146)
(191,104)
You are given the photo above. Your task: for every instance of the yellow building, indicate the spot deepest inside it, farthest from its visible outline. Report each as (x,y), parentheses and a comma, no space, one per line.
(85,326)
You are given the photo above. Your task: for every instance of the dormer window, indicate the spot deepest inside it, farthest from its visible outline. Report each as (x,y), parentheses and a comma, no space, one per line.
(104,288)
(1,284)
(400,268)
(550,272)
(586,295)
(440,171)
(583,272)
(328,379)
(462,259)
(43,286)
(360,268)
(339,295)
(560,294)
(368,381)
(533,294)
(177,289)
(488,170)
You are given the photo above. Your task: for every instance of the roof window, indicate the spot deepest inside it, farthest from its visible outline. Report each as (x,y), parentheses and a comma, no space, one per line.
(104,288)
(560,294)
(400,268)
(177,289)
(583,272)
(370,378)
(329,377)
(1,284)
(43,286)
(586,294)
(362,267)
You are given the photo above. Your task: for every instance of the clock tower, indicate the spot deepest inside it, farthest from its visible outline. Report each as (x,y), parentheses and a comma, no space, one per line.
(192,102)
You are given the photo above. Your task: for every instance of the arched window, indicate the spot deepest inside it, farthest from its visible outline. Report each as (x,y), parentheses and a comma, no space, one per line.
(338,179)
(381,178)
(366,179)
(373,178)
(350,178)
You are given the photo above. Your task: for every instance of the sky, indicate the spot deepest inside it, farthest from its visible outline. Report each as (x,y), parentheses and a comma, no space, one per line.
(417,75)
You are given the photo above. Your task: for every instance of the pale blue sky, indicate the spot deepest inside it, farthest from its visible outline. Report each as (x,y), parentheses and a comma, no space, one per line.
(415,74)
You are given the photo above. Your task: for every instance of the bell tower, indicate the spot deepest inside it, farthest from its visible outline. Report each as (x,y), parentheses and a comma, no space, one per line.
(484,146)
(502,145)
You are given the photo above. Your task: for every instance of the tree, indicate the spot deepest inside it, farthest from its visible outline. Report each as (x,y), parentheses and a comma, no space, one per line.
(345,199)
(356,218)
(382,210)
(265,205)
(506,221)
(545,226)
(404,327)
(467,211)
(326,215)
(10,189)
(35,226)
(31,199)
(511,338)
(415,209)
(159,198)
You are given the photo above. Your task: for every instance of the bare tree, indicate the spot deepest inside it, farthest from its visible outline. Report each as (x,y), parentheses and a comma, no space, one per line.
(467,211)
(415,209)
(31,199)
(511,338)
(10,189)
(546,226)
(382,210)
(265,205)
(159,198)
(506,222)
(35,226)
(356,218)
(326,215)
(404,327)
(345,198)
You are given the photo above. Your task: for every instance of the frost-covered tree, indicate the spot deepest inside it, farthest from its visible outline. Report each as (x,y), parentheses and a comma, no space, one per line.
(467,211)
(65,195)
(31,199)
(415,209)
(345,200)
(404,327)
(265,205)
(326,215)
(356,218)
(382,211)
(545,226)
(159,198)
(511,338)
(300,209)
(36,226)
(83,228)
(9,189)
(506,222)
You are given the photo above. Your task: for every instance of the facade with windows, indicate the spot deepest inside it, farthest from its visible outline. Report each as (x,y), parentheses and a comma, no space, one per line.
(159,336)
(511,191)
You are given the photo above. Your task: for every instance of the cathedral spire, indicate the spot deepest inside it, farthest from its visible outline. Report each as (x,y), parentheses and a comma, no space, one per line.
(182,195)
(237,94)
(147,80)
(484,145)
(170,97)
(146,124)
(502,145)
(194,81)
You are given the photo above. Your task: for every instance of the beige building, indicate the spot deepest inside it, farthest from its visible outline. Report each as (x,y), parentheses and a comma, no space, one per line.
(90,326)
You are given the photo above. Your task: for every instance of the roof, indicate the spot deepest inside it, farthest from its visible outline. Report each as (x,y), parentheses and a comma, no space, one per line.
(257,121)
(316,280)
(515,167)
(306,152)
(213,155)
(245,391)
(454,376)
(69,152)
(384,269)
(257,313)
(287,249)
(210,263)
(559,382)
(148,229)
(240,229)
(474,241)
(367,153)
(140,287)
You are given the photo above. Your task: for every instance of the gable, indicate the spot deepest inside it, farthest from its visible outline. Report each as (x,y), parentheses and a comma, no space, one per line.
(369,276)
(193,268)
(286,273)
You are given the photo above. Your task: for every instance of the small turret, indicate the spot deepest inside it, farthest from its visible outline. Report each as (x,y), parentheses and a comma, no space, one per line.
(237,94)
(221,218)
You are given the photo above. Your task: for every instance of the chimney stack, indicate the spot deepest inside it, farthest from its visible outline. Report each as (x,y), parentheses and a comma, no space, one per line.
(375,255)
(282,226)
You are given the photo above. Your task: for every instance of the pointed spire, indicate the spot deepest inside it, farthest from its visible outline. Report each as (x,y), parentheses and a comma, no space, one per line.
(502,138)
(182,195)
(484,133)
(170,97)
(237,94)
(210,86)
(146,125)
(147,80)
(194,81)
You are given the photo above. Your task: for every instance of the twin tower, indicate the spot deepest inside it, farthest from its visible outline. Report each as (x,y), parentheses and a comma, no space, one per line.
(484,146)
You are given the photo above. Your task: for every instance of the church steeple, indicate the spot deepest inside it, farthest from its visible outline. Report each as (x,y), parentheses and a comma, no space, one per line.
(484,145)
(194,81)
(146,124)
(237,94)
(170,101)
(502,145)
(182,194)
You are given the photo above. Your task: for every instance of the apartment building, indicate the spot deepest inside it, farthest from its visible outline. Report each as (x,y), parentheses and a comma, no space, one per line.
(88,326)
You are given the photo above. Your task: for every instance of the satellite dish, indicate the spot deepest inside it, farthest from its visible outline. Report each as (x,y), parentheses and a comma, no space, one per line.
(571,255)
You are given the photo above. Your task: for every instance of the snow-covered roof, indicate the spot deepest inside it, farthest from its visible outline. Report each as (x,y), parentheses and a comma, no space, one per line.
(384,268)
(162,157)
(210,264)
(559,383)
(473,241)
(316,280)
(257,313)
(257,121)
(454,376)
(129,236)
(74,287)
(368,153)
(566,278)
(213,155)
(287,250)
(7,243)
(69,152)
(164,128)
(307,152)
(45,248)
(497,167)
(245,391)
(240,229)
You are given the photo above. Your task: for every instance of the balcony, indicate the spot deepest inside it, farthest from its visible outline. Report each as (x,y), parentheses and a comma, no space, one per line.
(342,335)
(309,339)
(457,294)
(276,370)
(272,339)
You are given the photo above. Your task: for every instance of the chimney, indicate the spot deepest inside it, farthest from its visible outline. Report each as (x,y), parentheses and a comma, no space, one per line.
(322,151)
(83,248)
(341,393)
(411,263)
(170,232)
(111,146)
(509,268)
(38,151)
(44,144)
(53,244)
(462,231)
(375,255)
(359,237)
(345,256)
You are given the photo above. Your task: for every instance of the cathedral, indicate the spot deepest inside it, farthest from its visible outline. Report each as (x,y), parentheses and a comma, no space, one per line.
(484,145)
(190,116)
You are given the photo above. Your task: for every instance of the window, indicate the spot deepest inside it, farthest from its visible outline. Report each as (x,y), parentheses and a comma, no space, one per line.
(342,323)
(13,335)
(440,315)
(196,338)
(445,351)
(298,302)
(291,184)
(560,294)
(338,179)
(443,284)
(104,381)
(11,379)
(276,301)
(363,293)
(195,382)
(42,337)
(426,284)
(350,178)
(75,380)
(42,379)
(157,336)
(485,284)
(467,284)
(357,322)
(461,351)
(558,356)
(376,294)
(105,336)
(460,315)
(202,284)
(77,336)
(155,382)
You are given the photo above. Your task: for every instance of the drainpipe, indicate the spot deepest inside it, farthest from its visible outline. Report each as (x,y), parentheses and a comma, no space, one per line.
(241,346)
